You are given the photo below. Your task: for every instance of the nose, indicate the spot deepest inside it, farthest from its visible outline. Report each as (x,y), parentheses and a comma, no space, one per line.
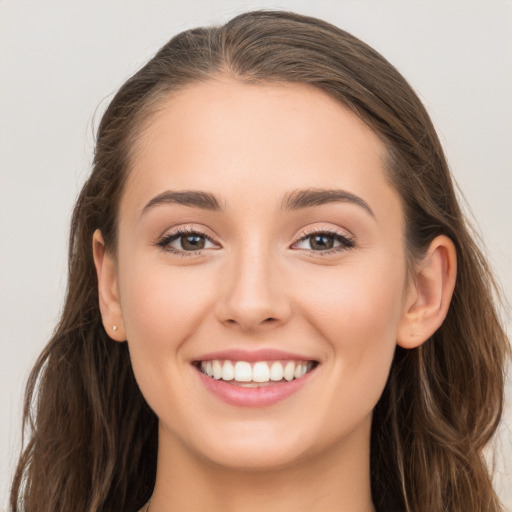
(254,296)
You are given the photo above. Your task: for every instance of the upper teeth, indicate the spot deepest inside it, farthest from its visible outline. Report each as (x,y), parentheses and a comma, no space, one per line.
(260,371)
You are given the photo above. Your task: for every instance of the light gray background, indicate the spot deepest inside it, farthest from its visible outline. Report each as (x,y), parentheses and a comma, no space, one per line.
(61,61)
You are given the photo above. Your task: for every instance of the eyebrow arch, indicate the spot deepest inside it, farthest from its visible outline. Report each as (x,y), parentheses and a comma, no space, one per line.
(192,198)
(307,198)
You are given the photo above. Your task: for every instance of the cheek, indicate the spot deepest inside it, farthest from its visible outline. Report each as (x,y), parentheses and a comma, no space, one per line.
(162,308)
(356,300)
(357,309)
(160,305)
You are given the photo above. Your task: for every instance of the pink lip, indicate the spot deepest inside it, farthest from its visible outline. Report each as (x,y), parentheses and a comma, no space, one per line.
(253,355)
(253,397)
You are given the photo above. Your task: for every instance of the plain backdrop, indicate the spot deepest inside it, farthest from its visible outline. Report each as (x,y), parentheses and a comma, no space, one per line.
(61,61)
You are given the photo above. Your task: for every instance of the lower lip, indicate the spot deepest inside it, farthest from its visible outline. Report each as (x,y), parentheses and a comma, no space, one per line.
(251,396)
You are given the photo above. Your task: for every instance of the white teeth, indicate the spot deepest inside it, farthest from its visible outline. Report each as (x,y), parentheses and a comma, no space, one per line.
(276,371)
(228,371)
(300,370)
(258,372)
(243,372)
(217,369)
(289,371)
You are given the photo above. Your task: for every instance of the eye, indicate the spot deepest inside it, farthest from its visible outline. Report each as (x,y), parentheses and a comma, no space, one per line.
(184,241)
(324,241)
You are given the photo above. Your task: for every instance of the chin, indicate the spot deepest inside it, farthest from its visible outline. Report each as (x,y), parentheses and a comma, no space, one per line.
(255,457)
(257,448)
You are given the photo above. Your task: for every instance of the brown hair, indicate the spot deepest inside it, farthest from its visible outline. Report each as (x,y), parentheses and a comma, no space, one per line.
(93,439)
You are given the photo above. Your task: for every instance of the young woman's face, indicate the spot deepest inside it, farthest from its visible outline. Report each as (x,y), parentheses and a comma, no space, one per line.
(260,239)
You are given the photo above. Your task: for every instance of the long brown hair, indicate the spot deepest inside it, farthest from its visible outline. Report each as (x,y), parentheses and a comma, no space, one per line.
(92,439)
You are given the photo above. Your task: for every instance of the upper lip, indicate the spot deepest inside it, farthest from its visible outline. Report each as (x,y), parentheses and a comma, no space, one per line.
(264,354)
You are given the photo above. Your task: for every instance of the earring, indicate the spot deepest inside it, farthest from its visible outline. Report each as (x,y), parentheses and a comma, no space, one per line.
(114,328)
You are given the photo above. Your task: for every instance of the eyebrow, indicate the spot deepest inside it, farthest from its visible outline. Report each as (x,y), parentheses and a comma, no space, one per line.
(299,199)
(296,200)
(192,198)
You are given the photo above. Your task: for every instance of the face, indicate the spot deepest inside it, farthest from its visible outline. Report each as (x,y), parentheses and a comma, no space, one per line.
(260,239)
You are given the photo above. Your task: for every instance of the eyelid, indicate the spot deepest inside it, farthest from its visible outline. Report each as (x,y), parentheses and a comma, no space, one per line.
(347,240)
(163,241)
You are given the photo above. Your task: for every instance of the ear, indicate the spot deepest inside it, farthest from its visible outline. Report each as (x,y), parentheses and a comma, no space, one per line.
(108,292)
(429,294)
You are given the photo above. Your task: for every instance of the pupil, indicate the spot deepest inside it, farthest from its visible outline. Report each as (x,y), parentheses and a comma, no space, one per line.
(192,242)
(320,242)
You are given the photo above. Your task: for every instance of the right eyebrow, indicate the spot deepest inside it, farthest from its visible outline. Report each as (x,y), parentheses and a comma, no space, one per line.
(193,198)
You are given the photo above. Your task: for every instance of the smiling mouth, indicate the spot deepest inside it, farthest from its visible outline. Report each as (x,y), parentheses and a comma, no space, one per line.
(255,374)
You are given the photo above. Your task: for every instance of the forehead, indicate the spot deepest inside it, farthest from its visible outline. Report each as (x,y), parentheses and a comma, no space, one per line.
(232,138)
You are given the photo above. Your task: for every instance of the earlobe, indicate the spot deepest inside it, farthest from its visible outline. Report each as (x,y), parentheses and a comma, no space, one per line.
(429,294)
(108,293)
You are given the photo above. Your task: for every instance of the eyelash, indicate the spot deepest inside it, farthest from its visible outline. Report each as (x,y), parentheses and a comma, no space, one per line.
(344,241)
(165,241)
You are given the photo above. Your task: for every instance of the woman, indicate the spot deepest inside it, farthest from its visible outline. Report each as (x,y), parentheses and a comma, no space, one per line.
(271,236)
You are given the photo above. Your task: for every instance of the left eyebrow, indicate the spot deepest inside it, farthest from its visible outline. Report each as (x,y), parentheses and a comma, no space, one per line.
(193,198)
(307,198)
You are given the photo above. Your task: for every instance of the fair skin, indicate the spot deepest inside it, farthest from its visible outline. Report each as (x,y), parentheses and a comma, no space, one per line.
(324,282)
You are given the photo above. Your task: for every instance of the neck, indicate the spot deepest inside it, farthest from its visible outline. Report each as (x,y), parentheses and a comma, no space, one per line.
(335,481)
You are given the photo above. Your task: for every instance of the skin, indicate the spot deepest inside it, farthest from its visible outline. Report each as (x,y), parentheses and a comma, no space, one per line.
(259,284)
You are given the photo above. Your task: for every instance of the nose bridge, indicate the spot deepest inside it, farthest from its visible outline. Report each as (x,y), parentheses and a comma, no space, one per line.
(253,293)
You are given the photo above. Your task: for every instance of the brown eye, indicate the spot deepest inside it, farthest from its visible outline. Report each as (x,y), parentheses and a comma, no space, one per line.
(324,241)
(192,242)
(321,242)
(183,242)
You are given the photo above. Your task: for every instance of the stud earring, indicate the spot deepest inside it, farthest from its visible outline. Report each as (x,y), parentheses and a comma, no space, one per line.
(114,327)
